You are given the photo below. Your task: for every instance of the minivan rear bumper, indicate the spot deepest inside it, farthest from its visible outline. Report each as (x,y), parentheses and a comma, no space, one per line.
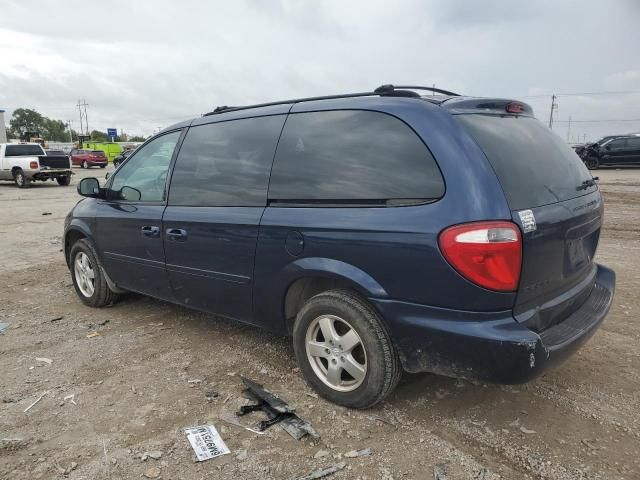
(490,346)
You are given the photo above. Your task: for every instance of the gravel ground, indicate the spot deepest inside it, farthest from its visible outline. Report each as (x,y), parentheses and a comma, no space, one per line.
(145,377)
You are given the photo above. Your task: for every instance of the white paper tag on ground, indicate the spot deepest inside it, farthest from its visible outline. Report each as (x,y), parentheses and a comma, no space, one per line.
(206,442)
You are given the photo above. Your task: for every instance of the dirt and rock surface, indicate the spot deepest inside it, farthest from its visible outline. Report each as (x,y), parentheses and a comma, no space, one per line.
(147,371)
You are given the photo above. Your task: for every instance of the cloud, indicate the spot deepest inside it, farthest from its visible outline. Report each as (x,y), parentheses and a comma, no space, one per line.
(143,65)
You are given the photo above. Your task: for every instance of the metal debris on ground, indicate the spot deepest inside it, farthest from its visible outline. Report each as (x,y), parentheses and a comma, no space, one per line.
(359,453)
(277,410)
(34,403)
(3,327)
(206,442)
(93,334)
(71,398)
(233,420)
(48,361)
(323,472)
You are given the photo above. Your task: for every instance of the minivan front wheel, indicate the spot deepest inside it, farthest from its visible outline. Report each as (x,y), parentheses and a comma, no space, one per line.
(344,351)
(87,276)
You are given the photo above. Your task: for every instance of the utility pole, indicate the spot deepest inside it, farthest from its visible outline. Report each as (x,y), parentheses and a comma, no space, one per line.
(82,108)
(69,122)
(569,130)
(554,106)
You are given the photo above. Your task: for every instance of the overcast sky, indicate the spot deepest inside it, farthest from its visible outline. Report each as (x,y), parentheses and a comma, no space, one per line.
(146,64)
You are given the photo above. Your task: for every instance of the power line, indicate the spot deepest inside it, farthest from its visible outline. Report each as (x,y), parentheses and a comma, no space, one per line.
(628,92)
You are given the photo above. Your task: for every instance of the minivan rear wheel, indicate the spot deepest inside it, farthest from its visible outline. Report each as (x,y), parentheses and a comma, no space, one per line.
(343,350)
(87,276)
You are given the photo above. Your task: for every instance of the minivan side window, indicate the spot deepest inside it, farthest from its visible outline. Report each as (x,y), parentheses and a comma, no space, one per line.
(226,163)
(352,155)
(144,175)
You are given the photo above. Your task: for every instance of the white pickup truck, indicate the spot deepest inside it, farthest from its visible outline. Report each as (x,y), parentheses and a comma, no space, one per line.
(23,163)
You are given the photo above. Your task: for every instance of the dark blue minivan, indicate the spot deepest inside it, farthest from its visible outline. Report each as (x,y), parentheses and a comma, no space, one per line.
(384,231)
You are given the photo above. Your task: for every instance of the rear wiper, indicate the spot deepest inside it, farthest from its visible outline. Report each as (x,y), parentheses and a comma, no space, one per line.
(588,183)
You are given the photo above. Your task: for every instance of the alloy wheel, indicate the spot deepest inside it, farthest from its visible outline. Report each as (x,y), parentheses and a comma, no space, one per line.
(85,274)
(336,353)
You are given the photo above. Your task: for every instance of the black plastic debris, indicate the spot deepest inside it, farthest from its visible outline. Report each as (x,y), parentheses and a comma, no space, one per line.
(277,411)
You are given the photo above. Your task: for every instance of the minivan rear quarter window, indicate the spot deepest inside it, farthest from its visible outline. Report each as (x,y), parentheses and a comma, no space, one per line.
(534,166)
(226,163)
(352,155)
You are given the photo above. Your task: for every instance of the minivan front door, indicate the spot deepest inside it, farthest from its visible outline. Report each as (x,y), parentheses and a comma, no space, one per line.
(217,195)
(129,220)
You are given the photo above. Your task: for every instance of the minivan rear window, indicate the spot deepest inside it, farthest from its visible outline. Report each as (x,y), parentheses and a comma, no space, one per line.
(352,156)
(23,150)
(534,166)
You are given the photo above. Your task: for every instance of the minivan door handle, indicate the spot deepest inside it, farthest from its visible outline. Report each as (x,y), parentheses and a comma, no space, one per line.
(151,231)
(176,234)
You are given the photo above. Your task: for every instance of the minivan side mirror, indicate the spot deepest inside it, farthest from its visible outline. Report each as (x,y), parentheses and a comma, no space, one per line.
(89,187)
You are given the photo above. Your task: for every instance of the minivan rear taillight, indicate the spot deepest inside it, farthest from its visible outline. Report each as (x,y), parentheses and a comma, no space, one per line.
(487,253)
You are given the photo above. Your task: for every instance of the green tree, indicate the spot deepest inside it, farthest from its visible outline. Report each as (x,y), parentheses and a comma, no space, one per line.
(136,138)
(56,130)
(26,122)
(98,136)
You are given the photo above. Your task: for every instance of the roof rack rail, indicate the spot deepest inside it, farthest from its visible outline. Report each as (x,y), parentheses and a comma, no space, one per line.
(390,89)
(384,90)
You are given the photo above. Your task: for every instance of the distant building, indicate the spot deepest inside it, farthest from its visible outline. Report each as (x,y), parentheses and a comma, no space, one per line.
(3,130)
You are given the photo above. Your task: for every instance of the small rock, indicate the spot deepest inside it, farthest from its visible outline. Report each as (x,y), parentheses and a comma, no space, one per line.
(46,213)
(527,431)
(48,361)
(114,461)
(241,454)
(153,472)
(210,395)
(155,454)
(56,318)
(359,453)
(263,371)
(321,453)
(102,322)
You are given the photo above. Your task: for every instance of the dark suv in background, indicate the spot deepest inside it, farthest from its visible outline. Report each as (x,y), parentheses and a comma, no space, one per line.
(618,150)
(384,231)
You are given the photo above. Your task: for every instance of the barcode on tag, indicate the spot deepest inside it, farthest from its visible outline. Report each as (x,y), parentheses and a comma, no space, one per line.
(206,442)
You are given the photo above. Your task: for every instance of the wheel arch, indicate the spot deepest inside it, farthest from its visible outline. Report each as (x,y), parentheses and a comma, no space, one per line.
(310,276)
(76,231)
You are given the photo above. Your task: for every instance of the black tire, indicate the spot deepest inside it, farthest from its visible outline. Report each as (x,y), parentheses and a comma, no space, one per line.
(64,181)
(116,163)
(84,164)
(102,294)
(102,166)
(592,163)
(21,179)
(383,368)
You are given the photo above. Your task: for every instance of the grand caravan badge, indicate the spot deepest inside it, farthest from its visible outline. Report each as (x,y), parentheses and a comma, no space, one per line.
(528,221)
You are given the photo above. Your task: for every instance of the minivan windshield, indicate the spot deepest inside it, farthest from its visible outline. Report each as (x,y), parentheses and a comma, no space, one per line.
(534,166)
